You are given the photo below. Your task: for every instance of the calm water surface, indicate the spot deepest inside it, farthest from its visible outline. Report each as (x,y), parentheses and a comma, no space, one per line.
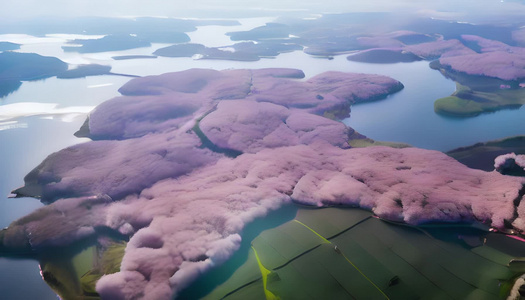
(408,116)
(89,91)
(21,150)
(29,141)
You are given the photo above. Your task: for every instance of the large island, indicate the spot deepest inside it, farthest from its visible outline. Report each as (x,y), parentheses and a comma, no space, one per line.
(183,162)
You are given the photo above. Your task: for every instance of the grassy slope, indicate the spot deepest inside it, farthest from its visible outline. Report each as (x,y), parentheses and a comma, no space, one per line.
(74,276)
(357,140)
(466,102)
(362,143)
(481,156)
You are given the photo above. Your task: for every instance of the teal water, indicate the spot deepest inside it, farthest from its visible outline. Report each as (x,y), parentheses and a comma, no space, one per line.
(216,276)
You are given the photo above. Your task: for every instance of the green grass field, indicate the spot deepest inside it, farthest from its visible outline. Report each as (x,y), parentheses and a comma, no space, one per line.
(337,253)
(466,102)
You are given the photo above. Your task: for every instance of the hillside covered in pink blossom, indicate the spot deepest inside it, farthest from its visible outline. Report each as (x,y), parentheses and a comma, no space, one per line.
(183,162)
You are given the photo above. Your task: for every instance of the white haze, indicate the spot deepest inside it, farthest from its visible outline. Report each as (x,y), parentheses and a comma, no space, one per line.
(21,9)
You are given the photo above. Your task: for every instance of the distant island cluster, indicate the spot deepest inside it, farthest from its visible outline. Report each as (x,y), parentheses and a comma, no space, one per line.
(487,62)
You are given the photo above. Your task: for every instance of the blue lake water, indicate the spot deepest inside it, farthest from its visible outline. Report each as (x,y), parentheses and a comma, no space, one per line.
(407,116)
(24,146)
(88,91)
(21,150)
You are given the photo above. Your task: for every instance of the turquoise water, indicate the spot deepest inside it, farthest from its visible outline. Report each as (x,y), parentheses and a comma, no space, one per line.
(216,276)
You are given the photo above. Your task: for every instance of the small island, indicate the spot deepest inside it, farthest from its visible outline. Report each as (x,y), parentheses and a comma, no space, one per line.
(17,67)
(107,43)
(384,56)
(245,51)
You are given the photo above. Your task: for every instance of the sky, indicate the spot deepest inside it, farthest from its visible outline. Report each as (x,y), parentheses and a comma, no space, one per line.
(183,8)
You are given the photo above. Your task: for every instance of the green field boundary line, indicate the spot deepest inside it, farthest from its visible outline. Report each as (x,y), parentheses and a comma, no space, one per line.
(353,226)
(264,272)
(241,287)
(296,257)
(423,275)
(346,258)
(313,248)
(307,227)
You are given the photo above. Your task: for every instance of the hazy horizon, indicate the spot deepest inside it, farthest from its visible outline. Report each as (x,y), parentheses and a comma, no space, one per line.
(448,9)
